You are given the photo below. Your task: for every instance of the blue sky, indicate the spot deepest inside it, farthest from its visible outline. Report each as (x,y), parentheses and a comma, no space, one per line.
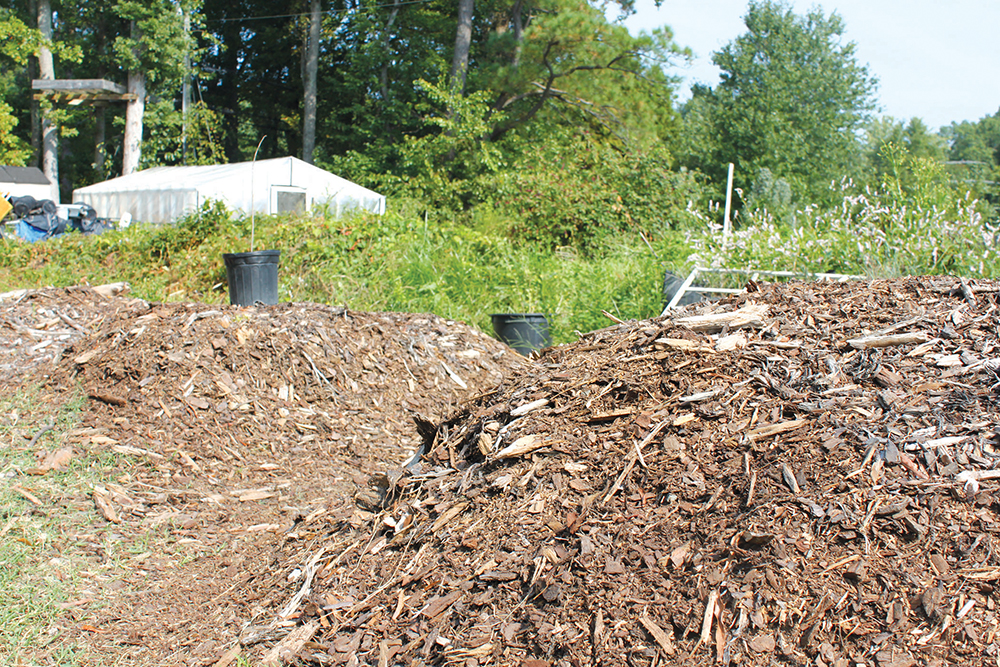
(939,61)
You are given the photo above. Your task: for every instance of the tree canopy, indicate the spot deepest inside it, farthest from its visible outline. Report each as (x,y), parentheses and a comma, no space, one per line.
(557,119)
(792,99)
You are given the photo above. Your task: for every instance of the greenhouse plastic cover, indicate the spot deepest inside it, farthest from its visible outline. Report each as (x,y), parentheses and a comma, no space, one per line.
(164,194)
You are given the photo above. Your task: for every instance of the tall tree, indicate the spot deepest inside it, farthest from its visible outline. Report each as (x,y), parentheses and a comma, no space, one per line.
(311,69)
(46,71)
(152,53)
(792,98)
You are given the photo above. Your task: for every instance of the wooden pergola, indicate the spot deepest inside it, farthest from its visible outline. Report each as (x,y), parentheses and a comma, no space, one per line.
(74,92)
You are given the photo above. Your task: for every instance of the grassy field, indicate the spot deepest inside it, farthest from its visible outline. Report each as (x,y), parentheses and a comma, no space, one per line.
(41,524)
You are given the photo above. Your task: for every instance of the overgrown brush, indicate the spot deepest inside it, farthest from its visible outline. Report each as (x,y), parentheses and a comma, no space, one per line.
(873,232)
(401,261)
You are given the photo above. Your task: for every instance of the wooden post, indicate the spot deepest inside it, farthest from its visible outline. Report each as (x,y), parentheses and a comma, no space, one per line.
(727,225)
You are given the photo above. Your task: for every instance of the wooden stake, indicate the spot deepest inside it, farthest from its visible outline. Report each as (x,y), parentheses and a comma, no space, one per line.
(727,225)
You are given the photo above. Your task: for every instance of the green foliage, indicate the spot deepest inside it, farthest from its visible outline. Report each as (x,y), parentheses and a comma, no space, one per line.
(159,43)
(567,58)
(914,139)
(17,40)
(975,153)
(916,181)
(792,98)
(890,232)
(438,166)
(17,43)
(556,186)
(573,190)
(166,143)
(13,150)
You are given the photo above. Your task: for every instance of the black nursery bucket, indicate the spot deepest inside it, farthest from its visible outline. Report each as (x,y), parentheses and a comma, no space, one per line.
(525,332)
(253,277)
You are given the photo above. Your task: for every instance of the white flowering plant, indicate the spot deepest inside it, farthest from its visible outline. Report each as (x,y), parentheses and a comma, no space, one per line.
(873,232)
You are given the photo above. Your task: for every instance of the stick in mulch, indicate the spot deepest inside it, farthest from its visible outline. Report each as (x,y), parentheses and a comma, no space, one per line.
(42,431)
(632,457)
(110,399)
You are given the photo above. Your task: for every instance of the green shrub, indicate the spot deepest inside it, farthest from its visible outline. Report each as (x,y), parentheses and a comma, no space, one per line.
(579,191)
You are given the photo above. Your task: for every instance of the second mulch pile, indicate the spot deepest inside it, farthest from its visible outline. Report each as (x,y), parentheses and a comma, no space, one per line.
(804,473)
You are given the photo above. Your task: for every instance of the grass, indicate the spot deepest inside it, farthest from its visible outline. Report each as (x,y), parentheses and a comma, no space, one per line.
(43,565)
(34,576)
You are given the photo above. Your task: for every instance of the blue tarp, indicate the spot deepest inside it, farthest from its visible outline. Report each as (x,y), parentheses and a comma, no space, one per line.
(40,220)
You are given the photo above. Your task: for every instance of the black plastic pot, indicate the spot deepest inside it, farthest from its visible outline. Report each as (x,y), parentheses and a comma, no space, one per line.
(253,277)
(525,332)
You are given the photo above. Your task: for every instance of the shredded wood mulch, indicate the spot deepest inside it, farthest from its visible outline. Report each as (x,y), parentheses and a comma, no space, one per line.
(802,474)
(230,427)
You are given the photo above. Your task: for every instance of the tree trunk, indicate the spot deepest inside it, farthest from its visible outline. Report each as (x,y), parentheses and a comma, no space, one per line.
(36,120)
(133,117)
(50,133)
(133,122)
(229,89)
(312,66)
(185,90)
(383,76)
(463,42)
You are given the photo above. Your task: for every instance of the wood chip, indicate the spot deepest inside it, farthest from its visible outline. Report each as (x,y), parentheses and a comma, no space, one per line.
(437,605)
(661,637)
(867,342)
(775,429)
(523,445)
(750,315)
(288,648)
(102,498)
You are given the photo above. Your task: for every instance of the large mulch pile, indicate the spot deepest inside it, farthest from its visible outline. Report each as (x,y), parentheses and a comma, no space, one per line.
(231,425)
(804,474)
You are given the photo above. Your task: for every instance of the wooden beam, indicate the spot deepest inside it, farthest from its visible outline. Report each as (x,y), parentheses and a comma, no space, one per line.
(93,86)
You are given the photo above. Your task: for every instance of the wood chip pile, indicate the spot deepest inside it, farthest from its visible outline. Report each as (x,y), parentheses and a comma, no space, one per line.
(804,474)
(227,384)
(36,325)
(227,427)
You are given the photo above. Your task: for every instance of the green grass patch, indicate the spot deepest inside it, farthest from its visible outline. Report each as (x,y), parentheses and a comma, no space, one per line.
(41,517)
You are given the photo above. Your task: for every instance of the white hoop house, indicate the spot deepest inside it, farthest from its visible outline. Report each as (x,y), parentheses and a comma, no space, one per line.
(279,185)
